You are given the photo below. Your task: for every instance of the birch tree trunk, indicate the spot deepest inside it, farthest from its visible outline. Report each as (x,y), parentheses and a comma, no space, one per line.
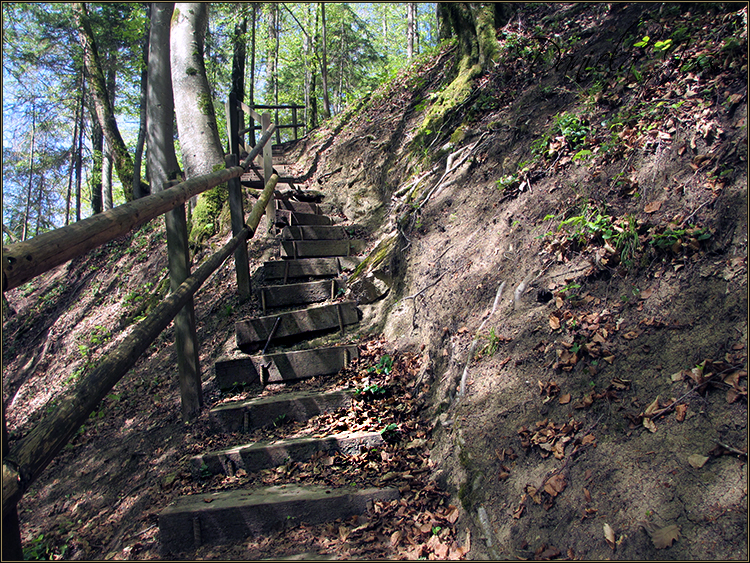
(410,9)
(194,108)
(324,64)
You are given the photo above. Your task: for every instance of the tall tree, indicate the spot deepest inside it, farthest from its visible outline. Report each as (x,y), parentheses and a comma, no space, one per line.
(103,105)
(139,145)
(324,63)
(196,119)
(411,15)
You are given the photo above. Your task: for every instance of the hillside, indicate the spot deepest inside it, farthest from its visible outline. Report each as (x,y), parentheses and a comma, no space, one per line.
(559,272)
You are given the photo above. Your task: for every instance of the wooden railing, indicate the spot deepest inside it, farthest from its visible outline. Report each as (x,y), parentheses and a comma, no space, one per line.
(23,261)
(290,119)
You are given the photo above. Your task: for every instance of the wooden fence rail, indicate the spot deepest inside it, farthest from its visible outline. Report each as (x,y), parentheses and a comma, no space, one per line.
(23,261)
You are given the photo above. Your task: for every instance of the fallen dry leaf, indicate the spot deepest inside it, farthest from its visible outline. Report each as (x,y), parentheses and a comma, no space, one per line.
(565,399)
(653,206)
(554,322)
(609,535)
(681,410)
(555,485)
(649,425)
(587,494)
(664,537)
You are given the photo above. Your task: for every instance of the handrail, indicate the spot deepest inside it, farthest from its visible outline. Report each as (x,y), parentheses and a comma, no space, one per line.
(32,453)
(25,260)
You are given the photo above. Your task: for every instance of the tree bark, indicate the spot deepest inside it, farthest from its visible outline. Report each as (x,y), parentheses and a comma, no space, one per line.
(410,17)
(445,31)
(138,192)
(103,106)
(194,108)
(239,56)
(97,167)
(324,63)
(25,230)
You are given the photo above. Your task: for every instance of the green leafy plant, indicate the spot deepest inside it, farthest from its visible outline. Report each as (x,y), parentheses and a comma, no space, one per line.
(370,391)
(383,367)
(391,433)
(492,345)
(507,182)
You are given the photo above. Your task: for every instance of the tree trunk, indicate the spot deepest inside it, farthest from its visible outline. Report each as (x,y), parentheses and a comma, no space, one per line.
(194,108)
(97,144)
(445,31)
(324,64)
(79,151)
(410,18)
(239,55)
(104,109)
(25,230)
(138,192)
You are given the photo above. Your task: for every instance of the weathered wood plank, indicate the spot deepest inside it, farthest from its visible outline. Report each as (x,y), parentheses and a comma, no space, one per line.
(283,367)
(320,248)
(291,269)
(244,416)
(317,232)
(300,293)
(252,334)
(297,206)
(286,217)
(225,517)
(254,457)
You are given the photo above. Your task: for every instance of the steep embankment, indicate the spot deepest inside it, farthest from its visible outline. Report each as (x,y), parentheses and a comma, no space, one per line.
(568,256)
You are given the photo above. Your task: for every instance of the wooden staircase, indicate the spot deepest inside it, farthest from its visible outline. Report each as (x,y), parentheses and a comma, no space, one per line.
(300,299)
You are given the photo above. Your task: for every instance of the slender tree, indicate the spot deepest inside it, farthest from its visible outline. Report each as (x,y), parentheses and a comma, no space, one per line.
(103,106)
(196,119)
(324,63)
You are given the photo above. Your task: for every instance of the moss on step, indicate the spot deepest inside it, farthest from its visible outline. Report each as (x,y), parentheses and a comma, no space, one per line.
(375,258)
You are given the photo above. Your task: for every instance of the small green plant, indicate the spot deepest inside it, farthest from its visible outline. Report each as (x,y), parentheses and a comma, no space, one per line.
(42,549)
(493,343)
(436,530)
(383,367)
(205,472)
(390,433)
(281,420)
(507,182)
(370,391)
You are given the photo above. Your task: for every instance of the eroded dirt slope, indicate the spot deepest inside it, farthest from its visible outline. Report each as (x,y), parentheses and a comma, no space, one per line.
(601,180)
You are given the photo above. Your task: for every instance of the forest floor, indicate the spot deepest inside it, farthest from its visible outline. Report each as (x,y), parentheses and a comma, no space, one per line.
(567,319)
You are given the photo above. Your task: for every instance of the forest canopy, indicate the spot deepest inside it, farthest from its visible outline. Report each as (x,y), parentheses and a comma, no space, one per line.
(75,83)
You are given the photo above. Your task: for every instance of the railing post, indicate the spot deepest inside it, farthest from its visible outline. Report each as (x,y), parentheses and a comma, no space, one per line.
(251,127)
(237,214)
(233,126)
(267,171)
(294,121)
(278,129)
(186,341)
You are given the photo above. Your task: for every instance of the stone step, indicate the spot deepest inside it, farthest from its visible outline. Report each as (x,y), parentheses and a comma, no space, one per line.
(226,517)
(316,232)
(320,248)
(244,416)
(252,334)
(298,206)
(300,293)
(286,217)
(284,270)
(283,367)
(254,457)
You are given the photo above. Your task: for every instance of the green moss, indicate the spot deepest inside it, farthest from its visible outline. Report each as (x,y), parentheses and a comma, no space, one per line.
(205,218)
(454,94)
(206,105)
(375,258)
(191,71)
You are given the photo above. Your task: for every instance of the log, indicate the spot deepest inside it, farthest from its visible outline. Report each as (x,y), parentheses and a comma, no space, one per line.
(35,451)
(25,260)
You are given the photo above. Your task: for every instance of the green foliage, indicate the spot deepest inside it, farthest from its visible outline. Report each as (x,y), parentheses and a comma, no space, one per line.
(371,391)
(42,548)
(492,345)
(383,367)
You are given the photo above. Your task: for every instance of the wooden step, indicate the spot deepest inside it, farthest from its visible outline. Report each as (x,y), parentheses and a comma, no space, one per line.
(286,217)
(226,517)
(283,367)
(298,206)
(252,334)
(244,416)
(254,457)
(284,270)
(320,248)
(315,232)
(300,293)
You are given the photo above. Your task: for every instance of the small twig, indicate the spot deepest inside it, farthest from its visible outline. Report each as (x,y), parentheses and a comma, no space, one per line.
(697,209)
(731,449)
